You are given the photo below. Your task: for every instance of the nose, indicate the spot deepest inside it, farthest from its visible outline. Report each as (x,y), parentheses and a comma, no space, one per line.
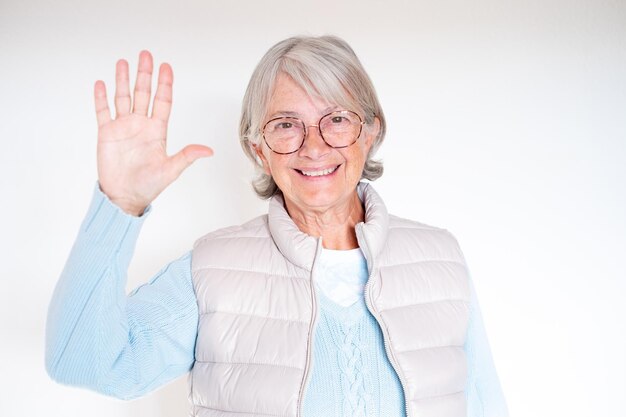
(314,145)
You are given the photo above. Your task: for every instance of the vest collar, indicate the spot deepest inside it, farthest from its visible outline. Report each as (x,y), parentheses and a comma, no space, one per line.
(301,248)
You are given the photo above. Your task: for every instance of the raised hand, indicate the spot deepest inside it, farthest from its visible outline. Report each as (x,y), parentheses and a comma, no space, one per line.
(133,166)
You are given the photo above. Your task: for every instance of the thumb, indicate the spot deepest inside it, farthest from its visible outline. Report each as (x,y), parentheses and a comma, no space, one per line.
(187,156)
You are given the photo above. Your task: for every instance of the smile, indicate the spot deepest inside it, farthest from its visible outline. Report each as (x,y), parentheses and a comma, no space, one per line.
(320,173)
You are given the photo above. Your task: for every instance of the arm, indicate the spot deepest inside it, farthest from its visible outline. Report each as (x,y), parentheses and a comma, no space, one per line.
(484,395)
(96,336)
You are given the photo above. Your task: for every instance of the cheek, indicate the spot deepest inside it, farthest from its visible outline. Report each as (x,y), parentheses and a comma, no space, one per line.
(355,163)
(361,154)
(276,166)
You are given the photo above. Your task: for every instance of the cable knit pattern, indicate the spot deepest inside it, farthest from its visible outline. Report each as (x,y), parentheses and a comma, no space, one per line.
(352,369)
(351,366)
(351,375)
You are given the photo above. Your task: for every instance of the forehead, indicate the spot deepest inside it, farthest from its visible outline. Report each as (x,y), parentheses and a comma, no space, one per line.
(288,97)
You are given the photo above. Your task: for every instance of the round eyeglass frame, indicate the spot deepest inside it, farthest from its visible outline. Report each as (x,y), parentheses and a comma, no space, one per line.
(361,123)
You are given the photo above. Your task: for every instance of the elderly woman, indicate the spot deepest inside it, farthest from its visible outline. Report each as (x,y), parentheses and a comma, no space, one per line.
(325,306)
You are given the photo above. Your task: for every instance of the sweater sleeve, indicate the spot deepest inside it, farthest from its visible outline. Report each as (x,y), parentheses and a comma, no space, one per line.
(484,394)
(99,338)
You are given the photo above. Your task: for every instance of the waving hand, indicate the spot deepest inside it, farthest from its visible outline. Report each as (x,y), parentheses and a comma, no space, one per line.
(133,165)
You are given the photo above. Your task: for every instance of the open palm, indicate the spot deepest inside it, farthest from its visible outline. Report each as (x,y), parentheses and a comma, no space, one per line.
(133,165)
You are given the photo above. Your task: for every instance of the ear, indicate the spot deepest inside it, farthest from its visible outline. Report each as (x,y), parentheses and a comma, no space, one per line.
(258,149)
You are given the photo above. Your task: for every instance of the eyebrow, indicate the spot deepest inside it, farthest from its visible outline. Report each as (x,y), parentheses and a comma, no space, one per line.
(286,113)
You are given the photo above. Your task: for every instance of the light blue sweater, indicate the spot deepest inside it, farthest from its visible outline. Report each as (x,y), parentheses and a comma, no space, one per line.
(125,346)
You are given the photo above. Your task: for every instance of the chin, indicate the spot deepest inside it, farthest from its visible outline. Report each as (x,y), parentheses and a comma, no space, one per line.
(319,198)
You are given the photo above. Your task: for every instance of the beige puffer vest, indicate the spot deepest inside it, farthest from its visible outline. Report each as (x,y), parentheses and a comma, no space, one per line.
(258,310)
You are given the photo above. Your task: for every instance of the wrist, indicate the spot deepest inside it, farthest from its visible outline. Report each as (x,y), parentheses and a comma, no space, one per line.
(128,206)
(132,210)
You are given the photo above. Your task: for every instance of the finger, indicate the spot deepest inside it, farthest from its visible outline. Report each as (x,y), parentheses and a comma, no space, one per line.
(103,115)
(163,97)
(187,156)
(143,84)
(122,89)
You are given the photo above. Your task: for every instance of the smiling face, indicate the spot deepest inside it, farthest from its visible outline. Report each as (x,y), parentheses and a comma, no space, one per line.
(317,177)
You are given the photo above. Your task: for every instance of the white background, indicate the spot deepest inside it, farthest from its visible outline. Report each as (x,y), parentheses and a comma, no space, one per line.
(506,126)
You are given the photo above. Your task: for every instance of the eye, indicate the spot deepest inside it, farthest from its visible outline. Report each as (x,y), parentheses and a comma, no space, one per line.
(338,119)
(284,125)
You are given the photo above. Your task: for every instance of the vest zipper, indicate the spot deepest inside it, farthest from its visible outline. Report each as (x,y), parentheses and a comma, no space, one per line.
(370,305)
(309,347)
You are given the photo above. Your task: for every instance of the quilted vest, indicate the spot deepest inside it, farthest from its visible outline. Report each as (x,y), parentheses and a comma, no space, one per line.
(258,312)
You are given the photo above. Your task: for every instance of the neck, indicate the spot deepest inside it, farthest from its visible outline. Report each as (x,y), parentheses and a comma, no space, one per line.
(335,225)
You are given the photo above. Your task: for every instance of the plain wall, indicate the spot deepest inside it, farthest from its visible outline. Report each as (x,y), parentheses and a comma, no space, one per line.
(506,126)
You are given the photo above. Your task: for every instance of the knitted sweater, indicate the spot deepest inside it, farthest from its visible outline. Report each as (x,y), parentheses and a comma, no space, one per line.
(126,346)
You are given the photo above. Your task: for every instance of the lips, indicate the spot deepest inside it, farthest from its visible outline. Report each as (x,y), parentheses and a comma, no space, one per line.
(317,172)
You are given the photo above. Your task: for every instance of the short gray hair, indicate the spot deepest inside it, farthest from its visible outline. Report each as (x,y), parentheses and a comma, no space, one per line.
(324,66)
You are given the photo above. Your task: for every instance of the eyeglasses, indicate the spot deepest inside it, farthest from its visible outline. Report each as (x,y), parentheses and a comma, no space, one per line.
(339,129)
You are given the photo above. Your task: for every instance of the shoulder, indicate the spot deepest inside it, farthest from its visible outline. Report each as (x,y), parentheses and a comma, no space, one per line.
(400,226)
(229,246)
(407,240)
(255,228)
(430,242)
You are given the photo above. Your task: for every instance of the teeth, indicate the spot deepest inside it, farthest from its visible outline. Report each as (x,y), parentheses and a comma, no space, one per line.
(319,173)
